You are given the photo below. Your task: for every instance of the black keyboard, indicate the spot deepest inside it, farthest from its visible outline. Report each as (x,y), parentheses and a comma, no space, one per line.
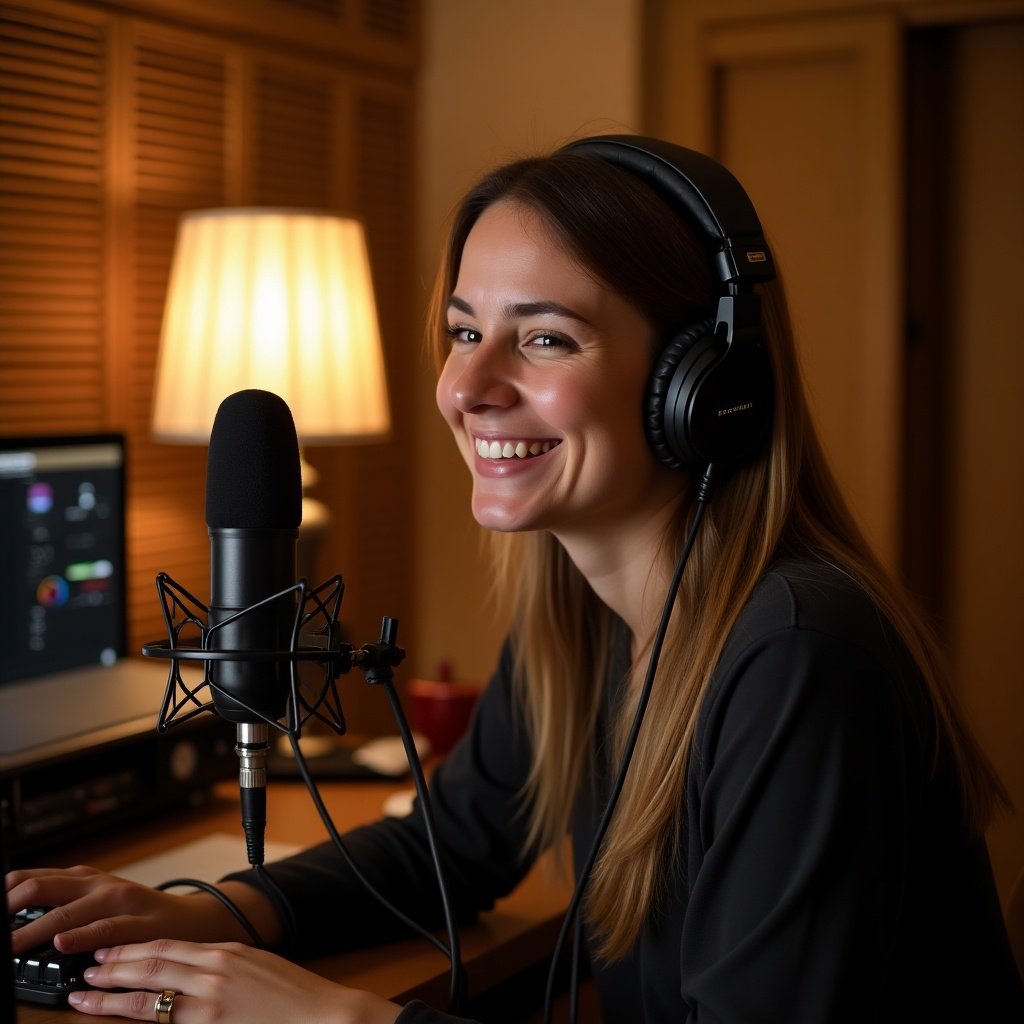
(44,974)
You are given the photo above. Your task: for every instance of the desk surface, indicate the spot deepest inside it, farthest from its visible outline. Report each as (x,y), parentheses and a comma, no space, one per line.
(513,937)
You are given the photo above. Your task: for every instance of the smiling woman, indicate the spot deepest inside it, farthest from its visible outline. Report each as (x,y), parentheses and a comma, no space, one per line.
(733,713)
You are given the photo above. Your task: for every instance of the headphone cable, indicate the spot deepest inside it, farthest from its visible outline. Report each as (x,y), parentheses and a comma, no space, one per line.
(702,500)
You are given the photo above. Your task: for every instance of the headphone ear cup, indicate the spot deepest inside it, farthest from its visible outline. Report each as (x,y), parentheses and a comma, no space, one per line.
(707,403)
(693,346)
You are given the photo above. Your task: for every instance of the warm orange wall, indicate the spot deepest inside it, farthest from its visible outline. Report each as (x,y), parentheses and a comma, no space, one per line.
(498,79)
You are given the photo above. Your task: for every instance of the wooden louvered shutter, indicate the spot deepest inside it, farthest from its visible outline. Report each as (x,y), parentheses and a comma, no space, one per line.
(53,136)
(382,191)
(389,18)
(177,139)
(293,120)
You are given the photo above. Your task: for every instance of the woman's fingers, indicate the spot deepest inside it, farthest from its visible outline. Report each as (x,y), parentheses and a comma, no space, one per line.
(19,875)
(90,909)
(146,969)
(41,887)
(133,1005)
(226,982)
(76,929)
(212,956)
(66,893)
(151,974)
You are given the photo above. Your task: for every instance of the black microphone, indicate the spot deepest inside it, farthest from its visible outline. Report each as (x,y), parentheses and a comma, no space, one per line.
(261,624)
(253,511)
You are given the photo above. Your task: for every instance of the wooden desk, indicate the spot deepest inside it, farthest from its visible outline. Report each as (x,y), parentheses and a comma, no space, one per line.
(515,936)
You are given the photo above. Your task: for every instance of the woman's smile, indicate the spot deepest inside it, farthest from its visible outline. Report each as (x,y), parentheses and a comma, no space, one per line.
(502,457)
(512,449)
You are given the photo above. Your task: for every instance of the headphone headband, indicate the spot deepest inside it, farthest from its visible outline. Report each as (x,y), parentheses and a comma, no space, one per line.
(707,195)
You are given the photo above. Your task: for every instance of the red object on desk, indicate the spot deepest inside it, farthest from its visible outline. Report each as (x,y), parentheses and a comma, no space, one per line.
(441,710)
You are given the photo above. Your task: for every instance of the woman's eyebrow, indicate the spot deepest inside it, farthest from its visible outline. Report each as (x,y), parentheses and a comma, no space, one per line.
(519,309)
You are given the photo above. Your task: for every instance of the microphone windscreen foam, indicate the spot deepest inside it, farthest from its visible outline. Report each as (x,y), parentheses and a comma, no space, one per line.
(253,479)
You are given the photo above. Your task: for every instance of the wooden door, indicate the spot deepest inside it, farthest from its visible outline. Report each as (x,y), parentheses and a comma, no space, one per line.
(804,112)
(891,191)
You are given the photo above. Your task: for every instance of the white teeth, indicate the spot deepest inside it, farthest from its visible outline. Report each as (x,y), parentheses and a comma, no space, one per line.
(511,449)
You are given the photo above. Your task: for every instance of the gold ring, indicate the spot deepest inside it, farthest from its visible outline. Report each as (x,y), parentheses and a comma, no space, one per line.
(164,1005)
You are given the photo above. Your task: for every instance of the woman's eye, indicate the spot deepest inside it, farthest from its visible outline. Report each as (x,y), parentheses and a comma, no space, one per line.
(459,333)
(551,341)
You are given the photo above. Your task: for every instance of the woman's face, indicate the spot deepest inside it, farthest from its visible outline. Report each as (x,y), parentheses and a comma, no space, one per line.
(543,386)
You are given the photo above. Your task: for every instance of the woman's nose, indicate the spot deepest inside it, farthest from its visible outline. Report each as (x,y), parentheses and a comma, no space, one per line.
(480,380)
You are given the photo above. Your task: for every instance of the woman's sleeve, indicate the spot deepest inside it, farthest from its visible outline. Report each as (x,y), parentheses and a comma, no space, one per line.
(480,829)
(804,783)
(417,1012)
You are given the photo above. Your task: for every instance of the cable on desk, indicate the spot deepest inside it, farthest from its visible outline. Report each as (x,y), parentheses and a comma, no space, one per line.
(457,992)
(195,883)
(457,984)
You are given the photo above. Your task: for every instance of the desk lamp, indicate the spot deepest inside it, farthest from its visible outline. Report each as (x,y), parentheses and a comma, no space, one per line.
(280,300)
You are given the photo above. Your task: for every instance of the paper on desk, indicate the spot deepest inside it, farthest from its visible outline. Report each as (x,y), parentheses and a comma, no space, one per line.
(207,859)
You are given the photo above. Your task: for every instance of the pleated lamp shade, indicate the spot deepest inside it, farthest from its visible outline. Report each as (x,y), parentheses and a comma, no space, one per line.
(276,299)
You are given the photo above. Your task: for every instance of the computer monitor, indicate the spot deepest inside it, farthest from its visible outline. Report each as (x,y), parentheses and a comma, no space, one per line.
(62,599)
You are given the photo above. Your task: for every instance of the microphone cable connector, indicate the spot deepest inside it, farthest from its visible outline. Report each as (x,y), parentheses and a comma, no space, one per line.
(252,747)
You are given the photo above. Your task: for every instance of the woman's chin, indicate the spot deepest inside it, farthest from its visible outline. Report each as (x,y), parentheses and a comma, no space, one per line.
(500,518)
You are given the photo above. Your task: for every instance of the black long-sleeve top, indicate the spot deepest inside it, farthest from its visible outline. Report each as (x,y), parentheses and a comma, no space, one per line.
(824,874)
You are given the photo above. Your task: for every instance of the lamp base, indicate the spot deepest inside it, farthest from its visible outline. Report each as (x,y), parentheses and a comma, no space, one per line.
(316,522)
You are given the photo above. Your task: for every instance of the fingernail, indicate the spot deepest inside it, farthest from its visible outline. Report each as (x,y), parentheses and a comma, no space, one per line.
(89,973)
(100,955)
(74,998)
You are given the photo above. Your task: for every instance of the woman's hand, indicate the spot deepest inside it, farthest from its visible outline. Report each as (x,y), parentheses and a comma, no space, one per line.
(227,982)
(92,909)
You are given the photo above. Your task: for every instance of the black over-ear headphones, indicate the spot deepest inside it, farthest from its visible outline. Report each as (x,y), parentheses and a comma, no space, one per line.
(709,399)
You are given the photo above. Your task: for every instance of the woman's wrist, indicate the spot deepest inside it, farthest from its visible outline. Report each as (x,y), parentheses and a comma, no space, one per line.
(372,1009)
(216,923)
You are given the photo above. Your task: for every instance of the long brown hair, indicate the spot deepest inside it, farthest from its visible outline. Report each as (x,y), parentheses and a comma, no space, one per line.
(783,502)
